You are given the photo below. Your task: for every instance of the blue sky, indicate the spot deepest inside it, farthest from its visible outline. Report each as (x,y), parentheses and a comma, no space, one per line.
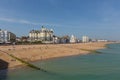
(95,18)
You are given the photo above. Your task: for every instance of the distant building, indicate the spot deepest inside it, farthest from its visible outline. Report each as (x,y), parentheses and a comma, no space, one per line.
(102,40)
(41,35)
(85,39)
(93,40)
(73,39)
(7,36)
(18,39)
(24,38)
(64,39)
(56,39)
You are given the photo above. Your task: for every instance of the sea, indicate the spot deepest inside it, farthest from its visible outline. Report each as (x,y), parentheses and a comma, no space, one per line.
(94,66)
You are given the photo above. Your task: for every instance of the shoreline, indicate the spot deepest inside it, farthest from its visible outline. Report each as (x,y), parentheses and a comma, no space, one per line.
(32,53)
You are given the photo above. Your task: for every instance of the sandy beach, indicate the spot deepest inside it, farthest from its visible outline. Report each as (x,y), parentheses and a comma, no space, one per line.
(46,51)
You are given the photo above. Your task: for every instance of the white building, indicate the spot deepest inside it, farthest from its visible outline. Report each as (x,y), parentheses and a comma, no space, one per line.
(56,40)
(41,35)
(73,39)
(102,40)
(7,37)
(85,39)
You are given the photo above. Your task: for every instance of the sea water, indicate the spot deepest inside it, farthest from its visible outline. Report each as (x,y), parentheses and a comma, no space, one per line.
(104,66)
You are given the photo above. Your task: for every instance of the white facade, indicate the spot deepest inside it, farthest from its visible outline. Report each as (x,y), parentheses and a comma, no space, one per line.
(102,40)
(85,39)
(6,36)
(56,40)
(73,39)
(41,35)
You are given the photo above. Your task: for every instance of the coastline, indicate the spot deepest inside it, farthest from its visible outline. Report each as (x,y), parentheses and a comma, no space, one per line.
(31,53)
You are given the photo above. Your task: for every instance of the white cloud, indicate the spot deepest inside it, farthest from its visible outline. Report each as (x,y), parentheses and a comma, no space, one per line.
(22,21)
(17,21)
(7,19)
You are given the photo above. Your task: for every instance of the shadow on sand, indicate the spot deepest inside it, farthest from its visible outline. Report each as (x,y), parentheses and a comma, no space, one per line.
(3,69)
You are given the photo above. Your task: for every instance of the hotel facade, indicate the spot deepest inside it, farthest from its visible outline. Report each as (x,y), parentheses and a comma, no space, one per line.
(43,34)
(7,36)
(85,39)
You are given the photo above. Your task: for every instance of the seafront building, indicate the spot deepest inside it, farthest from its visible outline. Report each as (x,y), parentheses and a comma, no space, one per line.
(85,39)
(7,36)
(56,39)
(43,34)
(102,40)
(61,40)
(73,39)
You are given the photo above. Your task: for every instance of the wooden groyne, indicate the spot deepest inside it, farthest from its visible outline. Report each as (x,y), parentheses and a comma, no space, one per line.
(24,62)
(92,51)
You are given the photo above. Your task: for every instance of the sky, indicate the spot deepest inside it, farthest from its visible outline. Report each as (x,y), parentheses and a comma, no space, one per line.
(95,18)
